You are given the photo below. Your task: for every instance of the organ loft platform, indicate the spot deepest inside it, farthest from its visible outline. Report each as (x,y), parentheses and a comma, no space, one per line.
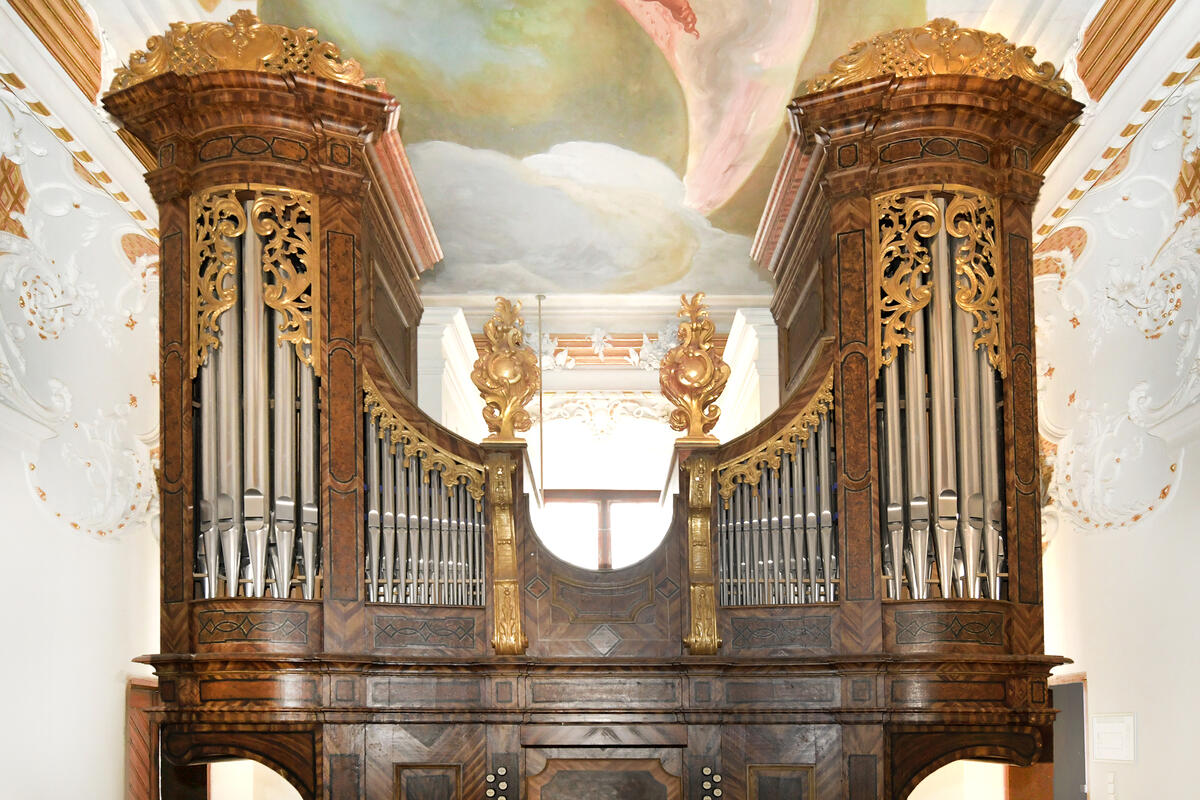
(848,595)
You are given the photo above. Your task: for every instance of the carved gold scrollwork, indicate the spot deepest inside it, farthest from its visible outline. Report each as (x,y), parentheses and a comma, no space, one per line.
(748,468)
(692,375)
(246,43)
(971,220)
(286,220)
(508,638)
(939,47)
(902,262)
(507,375)
(393,429)
(702,638)
(217,219)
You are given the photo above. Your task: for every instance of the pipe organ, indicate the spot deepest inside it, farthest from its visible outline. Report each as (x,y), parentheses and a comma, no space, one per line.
(849,594)
(941,362)
(255,391)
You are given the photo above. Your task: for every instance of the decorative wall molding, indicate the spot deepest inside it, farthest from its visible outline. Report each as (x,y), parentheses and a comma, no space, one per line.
(78,335)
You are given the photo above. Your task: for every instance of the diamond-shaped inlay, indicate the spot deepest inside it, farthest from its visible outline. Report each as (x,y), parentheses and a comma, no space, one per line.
(667,588)
(536,587)
(604,639)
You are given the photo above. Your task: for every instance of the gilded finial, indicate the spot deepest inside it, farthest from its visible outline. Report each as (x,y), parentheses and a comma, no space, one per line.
(246,43)
(692,375)
(938,47)
(507,376)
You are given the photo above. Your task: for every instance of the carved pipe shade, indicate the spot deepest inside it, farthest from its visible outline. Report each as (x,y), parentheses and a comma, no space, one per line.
(245,43)
(939,47)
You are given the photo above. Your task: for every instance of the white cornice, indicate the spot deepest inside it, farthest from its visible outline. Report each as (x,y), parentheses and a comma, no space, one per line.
(33,75)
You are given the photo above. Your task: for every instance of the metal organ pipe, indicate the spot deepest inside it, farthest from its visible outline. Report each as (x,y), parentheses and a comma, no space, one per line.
(255,431)
(225,365)
(993,497)
(894,477)
(970,502)
(941,412)
(309,512)
(284,484)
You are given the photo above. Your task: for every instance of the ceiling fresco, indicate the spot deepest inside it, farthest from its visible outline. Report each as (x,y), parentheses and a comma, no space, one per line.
(582,146)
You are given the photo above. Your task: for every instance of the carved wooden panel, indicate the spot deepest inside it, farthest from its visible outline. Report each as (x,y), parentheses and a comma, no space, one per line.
(428,782)
(780,782)
(604,779)
(427,630)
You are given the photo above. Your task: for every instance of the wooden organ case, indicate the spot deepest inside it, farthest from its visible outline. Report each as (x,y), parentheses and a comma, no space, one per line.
(849,595)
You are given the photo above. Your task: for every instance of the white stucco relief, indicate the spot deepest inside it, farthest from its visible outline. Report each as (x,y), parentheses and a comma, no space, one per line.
(1118,315)
(78,338)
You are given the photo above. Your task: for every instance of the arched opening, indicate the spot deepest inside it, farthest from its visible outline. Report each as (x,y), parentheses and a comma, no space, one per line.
(245,779)
(964,779)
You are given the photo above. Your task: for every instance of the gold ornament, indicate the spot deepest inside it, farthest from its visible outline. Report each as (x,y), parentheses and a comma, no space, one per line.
(508,637)
(971,218)
(939,47)
(904,222)
(217,219)
(507,376)
(691,375)
(244,43)
(748,468)
(395,430)
(286,220)
(702,638)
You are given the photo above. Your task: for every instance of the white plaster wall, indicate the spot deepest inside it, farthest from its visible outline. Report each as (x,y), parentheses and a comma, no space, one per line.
(752,392)
(1122,605)
(247,780)
(75,610)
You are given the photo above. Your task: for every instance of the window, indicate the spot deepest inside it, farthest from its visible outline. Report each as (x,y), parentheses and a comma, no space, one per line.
(601,529)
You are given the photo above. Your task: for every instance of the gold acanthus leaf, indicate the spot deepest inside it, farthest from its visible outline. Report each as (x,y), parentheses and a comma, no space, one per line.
(939,47)
(394,429)
(286,222)
(217,220)
(244,43)
(971,220)
(748,468)
(905,223)
(508,374)
(692,375)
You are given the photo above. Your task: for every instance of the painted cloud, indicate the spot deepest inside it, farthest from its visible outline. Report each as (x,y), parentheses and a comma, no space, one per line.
(582,217)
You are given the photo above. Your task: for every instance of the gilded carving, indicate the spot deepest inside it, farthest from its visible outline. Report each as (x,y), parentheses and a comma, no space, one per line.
(508,637)
(748,468)
(217,219)
(902,260)
(286,221)
(507,374)
(394,429)
(244,43)
(692,375)
(702,638)
(971,219)
(939,47)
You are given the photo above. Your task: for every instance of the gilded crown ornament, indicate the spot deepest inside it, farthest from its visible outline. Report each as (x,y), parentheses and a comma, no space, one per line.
(507,376)
(692,375)
(245,43)
(938,47)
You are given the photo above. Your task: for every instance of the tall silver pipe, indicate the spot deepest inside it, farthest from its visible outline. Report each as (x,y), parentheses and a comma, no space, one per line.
(722,553)
(811,519)
(225,361)
(401,530)
(916,424)
(829,559)
(437,556)
(785,529)
(255,432)
(374,517)
(993,493)
(426,532)
(756,542)
(389,522)
(767,534)
(457,584)
(284,483)
(795,476)
(208,479)
(741,541)
(894,457)
(413,473)
(969,454)
(941,376)
(310,525)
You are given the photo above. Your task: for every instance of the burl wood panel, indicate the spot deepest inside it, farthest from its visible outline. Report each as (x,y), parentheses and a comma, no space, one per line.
(604,779)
